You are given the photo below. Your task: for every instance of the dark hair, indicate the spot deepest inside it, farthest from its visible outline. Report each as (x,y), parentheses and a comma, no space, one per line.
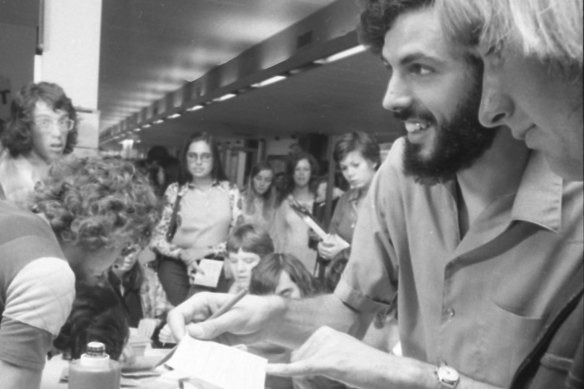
(251,238)
(289,173)
(157,154)
(265,277)
(378,16)
(17,135)
(97,315)
(249,194)
(217,172)
(357,140)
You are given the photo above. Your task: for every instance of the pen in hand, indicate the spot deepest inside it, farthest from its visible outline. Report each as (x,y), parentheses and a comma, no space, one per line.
(229,304)
(224,308)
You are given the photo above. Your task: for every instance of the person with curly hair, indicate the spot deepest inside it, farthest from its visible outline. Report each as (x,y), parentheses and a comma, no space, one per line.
(87,211)
(42,128)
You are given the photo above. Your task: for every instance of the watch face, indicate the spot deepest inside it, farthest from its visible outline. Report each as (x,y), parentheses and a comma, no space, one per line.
(448,376)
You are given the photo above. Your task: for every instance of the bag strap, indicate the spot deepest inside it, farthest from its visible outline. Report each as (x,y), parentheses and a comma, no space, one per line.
(172,226)
(566,301)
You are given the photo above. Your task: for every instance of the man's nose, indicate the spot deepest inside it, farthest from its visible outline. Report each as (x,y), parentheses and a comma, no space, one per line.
(496,108)
(397,95)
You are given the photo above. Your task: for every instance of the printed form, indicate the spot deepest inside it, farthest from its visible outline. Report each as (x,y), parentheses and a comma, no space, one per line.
(217,365)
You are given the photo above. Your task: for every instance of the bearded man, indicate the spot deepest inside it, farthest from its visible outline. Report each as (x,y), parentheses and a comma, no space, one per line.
(462,222)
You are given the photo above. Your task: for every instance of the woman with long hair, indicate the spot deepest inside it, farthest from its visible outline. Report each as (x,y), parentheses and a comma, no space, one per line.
(259,196)
(290,232)
(208,207)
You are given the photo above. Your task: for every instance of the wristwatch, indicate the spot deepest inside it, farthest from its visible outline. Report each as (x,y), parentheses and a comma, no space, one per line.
(448,377)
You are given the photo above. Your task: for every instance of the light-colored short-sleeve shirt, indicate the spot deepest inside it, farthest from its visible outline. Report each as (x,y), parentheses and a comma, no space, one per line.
(479,302)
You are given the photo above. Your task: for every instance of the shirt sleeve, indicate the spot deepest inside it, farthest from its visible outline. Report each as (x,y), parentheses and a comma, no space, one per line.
(158,243)
(38,302)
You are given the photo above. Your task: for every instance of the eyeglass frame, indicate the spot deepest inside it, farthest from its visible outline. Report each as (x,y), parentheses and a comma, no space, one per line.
(62,123)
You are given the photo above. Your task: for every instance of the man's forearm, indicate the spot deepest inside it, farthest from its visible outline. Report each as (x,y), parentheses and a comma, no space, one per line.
(300,318)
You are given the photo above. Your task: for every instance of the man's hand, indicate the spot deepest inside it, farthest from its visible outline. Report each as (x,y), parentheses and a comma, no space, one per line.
(343,358)
(250,320)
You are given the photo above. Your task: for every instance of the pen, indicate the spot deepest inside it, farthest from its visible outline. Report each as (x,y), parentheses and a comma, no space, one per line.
(229,304)
(224,308)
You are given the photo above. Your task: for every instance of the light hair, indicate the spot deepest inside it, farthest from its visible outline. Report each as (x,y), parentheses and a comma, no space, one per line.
(550,30)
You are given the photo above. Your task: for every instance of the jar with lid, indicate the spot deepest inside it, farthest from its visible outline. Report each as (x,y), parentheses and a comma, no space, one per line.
(94,370)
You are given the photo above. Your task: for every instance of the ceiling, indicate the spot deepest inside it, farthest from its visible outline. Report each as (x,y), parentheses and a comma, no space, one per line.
(151,48)
(154,50)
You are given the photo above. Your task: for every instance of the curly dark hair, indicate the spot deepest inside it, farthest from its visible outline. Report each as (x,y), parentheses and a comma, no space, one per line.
(97,315)
(17,134)
(96,203)
(291,164)
(378,17)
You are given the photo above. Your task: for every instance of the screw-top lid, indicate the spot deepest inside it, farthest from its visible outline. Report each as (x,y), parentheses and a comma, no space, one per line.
(95,349)
(95,356)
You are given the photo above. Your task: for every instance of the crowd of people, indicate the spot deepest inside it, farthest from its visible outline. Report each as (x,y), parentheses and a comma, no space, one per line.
(465,245)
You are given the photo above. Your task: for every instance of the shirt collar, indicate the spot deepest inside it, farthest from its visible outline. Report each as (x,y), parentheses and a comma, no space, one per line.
(539,196)
(190,185)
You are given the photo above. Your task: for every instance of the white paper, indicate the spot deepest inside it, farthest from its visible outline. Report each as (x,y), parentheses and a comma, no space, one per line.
(218,365)
(211,272)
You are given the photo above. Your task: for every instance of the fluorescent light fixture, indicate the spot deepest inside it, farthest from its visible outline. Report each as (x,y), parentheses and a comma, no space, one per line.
(146,126)
(137,129)
(343,54)
(269,81)
(174,116)
(225,97)
(158,121)
(195,108)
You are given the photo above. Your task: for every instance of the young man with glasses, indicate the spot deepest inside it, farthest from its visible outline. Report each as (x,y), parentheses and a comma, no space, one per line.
(42,128)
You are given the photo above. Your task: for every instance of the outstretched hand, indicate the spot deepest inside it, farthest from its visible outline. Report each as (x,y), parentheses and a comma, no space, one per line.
(250,320)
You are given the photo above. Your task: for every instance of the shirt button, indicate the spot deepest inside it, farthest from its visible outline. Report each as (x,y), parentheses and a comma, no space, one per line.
(449,313)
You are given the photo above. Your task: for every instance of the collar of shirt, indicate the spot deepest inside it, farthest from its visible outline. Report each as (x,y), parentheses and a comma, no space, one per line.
(191,185)
(539,196)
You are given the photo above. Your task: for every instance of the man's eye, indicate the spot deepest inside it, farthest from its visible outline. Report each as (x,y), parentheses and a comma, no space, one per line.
(420,70)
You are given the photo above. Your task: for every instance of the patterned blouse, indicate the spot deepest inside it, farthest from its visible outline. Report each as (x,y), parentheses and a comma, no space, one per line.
(204,218)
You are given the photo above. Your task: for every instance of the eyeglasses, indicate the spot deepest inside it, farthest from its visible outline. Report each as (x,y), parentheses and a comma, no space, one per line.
(44,123)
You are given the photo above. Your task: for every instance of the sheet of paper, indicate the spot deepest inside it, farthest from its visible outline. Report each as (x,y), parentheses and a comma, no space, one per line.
(219,365)
(211,272)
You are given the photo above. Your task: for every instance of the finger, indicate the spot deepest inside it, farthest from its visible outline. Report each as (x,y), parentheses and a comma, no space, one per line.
(210,329)
(300,368)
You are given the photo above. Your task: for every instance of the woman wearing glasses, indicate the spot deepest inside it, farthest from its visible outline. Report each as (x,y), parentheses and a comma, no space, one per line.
(41,130)
(208,207)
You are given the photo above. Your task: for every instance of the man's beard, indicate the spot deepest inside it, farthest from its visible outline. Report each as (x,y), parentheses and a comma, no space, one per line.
(458,144)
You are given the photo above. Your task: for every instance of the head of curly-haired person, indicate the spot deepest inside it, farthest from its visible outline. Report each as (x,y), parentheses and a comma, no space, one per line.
(43,123)
(96,207)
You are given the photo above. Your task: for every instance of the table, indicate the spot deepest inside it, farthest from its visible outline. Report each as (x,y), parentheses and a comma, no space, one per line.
(54,369)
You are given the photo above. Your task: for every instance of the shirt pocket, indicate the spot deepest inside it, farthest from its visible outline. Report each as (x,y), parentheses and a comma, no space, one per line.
(510,337)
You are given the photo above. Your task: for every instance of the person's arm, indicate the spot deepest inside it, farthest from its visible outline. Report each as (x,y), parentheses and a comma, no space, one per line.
(343,358)
(270,318)
(159,243)
(14,377)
